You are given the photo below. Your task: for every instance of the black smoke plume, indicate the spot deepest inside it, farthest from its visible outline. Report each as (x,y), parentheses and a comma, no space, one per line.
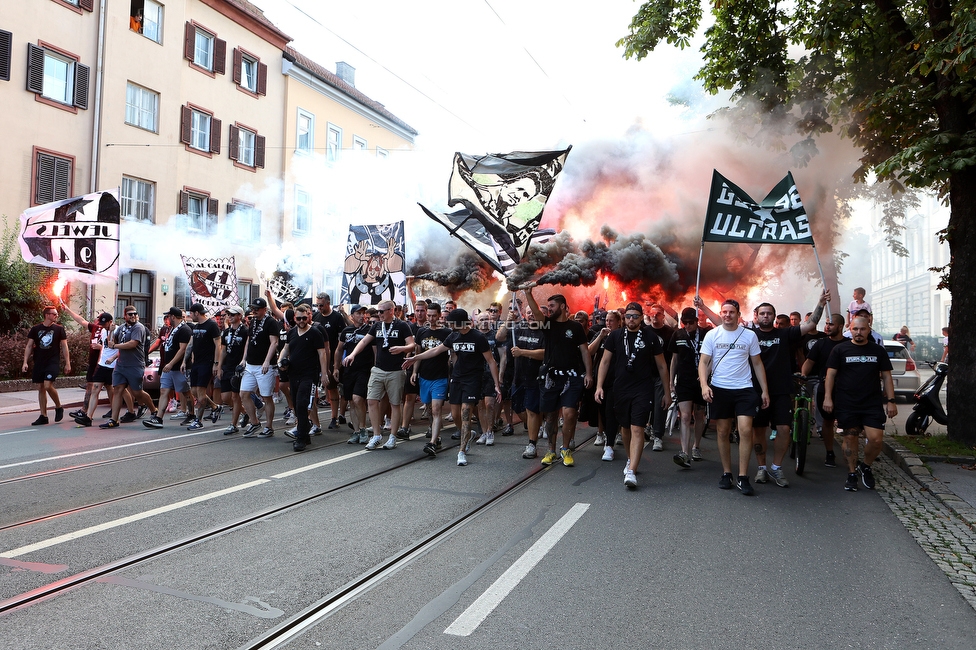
(470,273)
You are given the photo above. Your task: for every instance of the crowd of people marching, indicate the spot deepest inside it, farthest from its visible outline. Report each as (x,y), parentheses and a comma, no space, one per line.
(539,367)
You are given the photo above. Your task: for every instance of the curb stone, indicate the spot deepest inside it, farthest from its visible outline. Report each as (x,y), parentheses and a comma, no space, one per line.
(915,467)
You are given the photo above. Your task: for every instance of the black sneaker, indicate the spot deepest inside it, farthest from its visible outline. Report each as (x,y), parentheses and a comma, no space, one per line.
(155,422)
(58,413)
(851,484)
(196,425)
(744,487)
(298,445)
(867,476)
(76,414)
(128,417)
(215,414)
(403,433)
(141,412)
(725,483)
(188,420)
(111,424)
(107,416)
(41,419)
(83,420)
(333,425)
(830,461)
(342,419)
(437,445)
(266,432)
(430,449)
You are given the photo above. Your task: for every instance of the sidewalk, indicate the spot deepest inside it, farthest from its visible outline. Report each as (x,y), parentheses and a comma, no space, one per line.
(26,401)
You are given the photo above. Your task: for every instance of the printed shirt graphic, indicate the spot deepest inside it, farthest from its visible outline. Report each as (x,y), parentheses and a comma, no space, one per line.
(428,339)
(858,382)
(469,350)
(47,343)
(731,353)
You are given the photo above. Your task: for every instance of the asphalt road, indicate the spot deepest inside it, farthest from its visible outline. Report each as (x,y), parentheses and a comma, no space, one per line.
(572,558)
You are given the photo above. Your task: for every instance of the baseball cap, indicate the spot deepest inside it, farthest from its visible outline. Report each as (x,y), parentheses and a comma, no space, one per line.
(259,303)
(198,308)
(356,308)
(457,316)
(234,309)
(174,311)
(689,313)
(105,317)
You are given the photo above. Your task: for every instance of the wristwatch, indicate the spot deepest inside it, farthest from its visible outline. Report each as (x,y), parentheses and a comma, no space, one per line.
(891,400)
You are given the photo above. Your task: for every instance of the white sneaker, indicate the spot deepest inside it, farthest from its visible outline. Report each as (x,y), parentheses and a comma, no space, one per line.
(630,480)
(292,433)
(290,420)
(489,439)
(462,459)
(374,442)
(608,453)
(627,467)
(600,440)
(762,476)
(316,430)
(529,451)
(658,445)
(391,443)
(482,439)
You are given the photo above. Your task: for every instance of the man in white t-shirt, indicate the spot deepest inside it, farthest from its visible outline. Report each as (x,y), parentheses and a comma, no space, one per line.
(727,353)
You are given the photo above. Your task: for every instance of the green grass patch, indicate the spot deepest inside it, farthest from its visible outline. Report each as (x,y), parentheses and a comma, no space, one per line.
(937,446)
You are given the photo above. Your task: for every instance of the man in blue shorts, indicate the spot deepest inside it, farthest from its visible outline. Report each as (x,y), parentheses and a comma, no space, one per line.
(432,374)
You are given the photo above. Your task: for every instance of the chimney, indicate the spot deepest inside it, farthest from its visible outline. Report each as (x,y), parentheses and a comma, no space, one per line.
(346,72)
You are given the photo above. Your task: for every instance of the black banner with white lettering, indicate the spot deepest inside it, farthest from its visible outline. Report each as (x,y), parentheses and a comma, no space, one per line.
(733,216)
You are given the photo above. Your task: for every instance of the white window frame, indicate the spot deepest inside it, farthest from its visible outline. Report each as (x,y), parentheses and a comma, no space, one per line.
(382,153)
(245,146)
(208,53)
(196,220)
(66,85)
(303,211)
(138,198)
(200,124)
(310,134)
(157,23)
(141,106)
(243,222)
(359,144)
(249,81)
(333,146)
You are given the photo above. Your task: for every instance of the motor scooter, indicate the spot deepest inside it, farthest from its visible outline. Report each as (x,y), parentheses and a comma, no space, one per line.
(928,404)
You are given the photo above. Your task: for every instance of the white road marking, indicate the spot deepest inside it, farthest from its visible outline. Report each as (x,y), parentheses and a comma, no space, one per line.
(479,610)
(337,459)
(10,433)
(101,449)
(91,530)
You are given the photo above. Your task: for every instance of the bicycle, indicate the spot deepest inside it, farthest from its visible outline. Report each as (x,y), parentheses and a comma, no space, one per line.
(802,415)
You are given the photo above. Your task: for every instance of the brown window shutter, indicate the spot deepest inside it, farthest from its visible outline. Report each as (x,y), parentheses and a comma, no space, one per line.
(189,41)
(62,179)
(184,202)
(259,146)
(237,65)
(82,73)
(212,206)
(44,182)
(87,5)
(262,79)
(35,68)
(6,48)
(186,124)
(233,149)
(220,56)
(214,135)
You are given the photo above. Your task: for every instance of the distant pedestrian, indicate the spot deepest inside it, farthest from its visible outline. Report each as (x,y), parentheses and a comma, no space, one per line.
(46,343)
(903,338)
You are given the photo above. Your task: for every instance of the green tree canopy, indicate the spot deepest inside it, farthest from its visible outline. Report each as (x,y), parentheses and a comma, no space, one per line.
(895,77)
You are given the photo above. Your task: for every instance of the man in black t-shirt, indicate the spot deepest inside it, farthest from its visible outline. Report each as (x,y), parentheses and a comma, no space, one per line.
(307,357)
(526,359)
(856,371)
(776,349)
(171,377)
(471,353)
(685,351)
(354,379)
(393,341)
(658,323)
(259,368)
(815,365)
(201,358)
(233,339)
(432,375)
(47,342)
(332,322)
(638,358)
(567,370)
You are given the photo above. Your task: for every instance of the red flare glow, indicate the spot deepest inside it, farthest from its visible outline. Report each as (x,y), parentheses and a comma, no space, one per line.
(58,287)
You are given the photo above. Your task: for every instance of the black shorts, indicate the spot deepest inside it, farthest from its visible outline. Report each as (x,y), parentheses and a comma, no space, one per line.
(847,419)
(827,417)
(102,375)
(47,372)
(227,384)
(201,374)
(564,392)
(409,388)
(487,386)
(525,396)
(90,373)
(689,393)
(354,383)
(729,403)
(633,410)
(465,390)
(780,411)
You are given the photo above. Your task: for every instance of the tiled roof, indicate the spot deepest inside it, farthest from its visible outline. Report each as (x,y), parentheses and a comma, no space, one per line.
(258,15)
(299,59)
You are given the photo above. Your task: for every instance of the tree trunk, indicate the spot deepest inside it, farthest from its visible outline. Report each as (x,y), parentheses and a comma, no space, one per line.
(961,383)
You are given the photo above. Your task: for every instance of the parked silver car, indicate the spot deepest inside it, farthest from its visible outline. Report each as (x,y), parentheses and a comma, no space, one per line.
(904,373)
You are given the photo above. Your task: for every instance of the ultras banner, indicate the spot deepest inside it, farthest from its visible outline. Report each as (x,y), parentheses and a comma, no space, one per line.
(373,269)
(80,234)
(733,216)
(213,282)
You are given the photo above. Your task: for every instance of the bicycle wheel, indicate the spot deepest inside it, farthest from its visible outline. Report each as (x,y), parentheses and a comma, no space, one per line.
(802,438)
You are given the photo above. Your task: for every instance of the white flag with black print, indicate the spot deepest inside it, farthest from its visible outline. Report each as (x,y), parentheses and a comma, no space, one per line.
(213,282)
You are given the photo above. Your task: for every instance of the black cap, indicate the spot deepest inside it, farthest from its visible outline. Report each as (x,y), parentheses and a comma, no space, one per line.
(105,317)
(198,308)
(259,303)
(689,313)
(356,308)
(457,316)
(174,311)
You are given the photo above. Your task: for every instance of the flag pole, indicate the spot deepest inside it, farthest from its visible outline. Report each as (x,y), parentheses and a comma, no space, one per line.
(698,276)
(823,278)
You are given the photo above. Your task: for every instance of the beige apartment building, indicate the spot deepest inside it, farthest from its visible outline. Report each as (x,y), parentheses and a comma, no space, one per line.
(194,109)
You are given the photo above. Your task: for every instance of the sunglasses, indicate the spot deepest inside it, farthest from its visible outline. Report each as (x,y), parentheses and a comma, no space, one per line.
(301,318)
(492,311)
(383,311)
(321,304)
(131,313)
(633,316)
